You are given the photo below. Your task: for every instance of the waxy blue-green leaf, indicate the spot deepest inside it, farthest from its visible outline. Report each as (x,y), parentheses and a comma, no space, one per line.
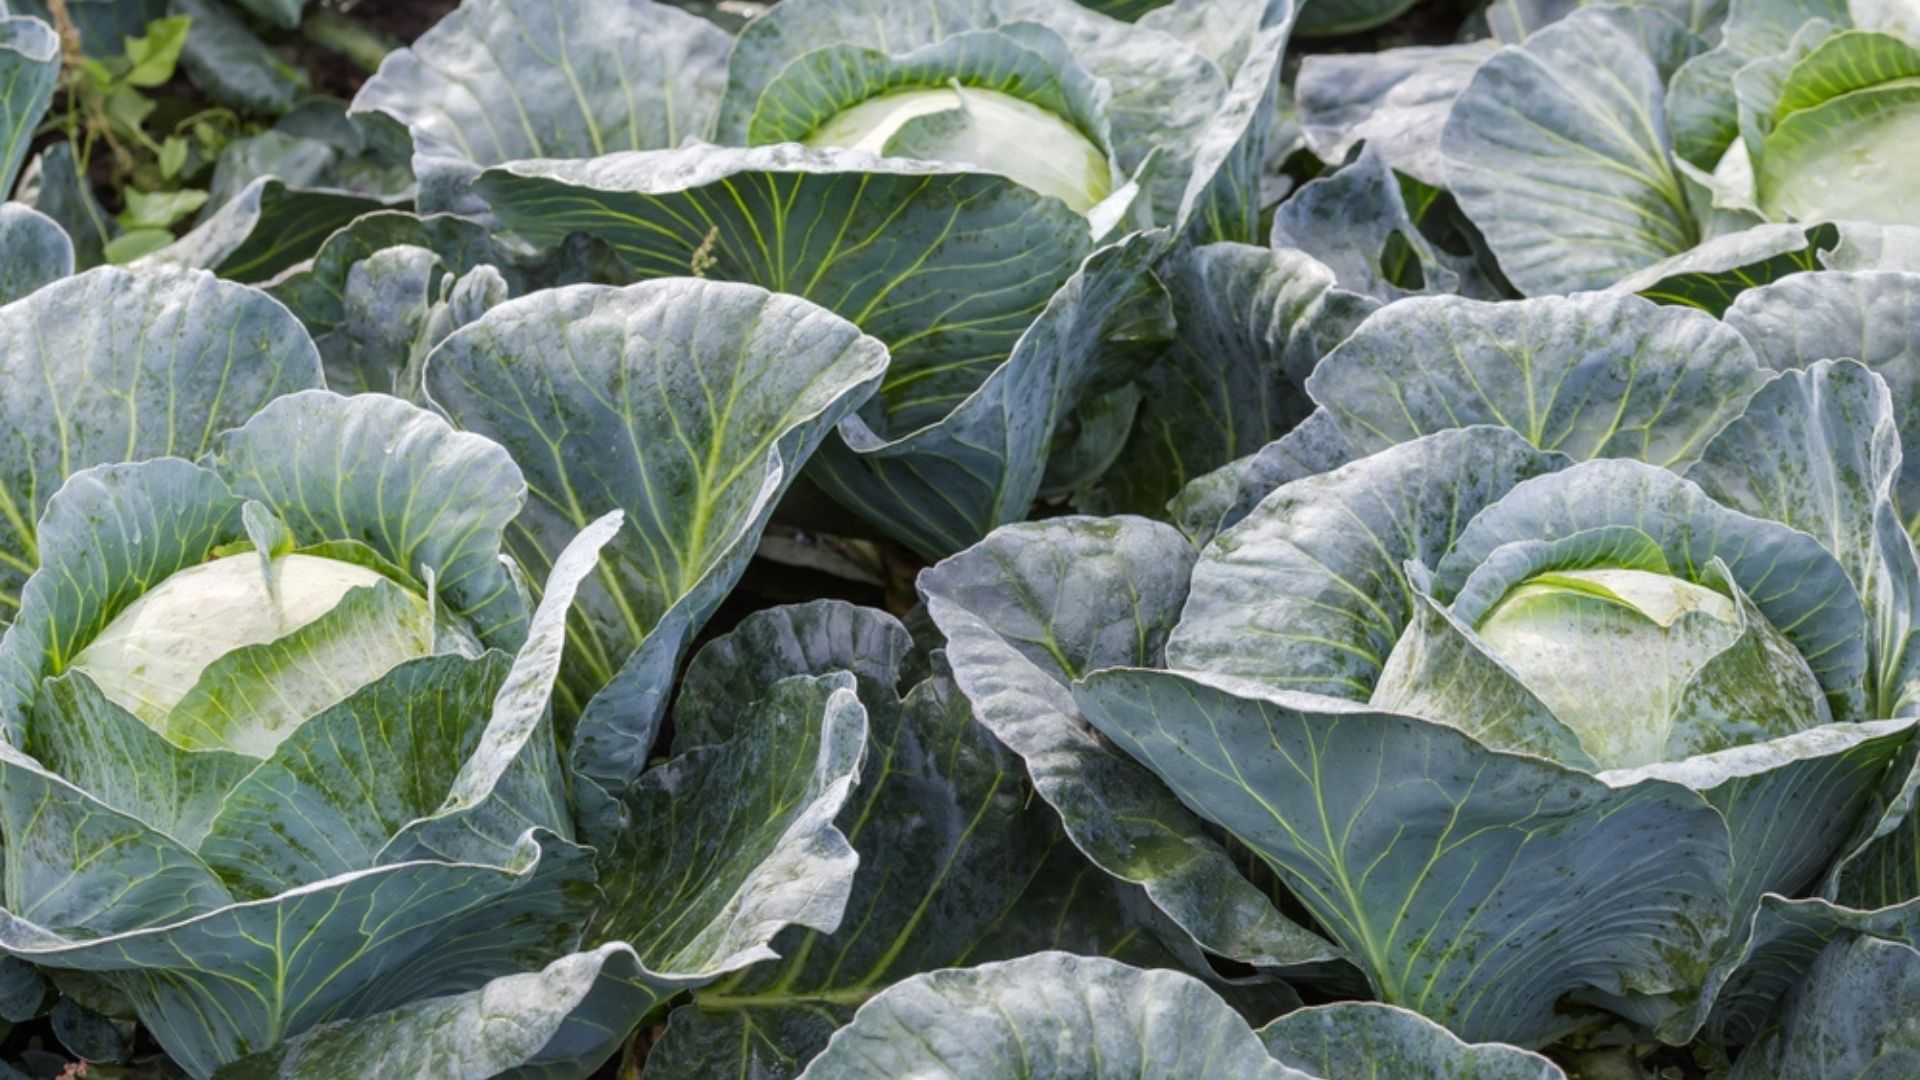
(1357,221)
(1360,1040)
(34,251)
(1035,606)
(29,68)
(1721,268)
(1558,150)
(1586,376)
(218,985)
(1832,315)
(1819,450)
(52,185)
(1789,805)
(958,864)
(690,405)
(1395,100)
(504,80)
(1223,201)
(1220,499)
(316,291)
(1049,1016)
(140,366)
(1787,939)
(1850,1015)
(1309,590)
(1475,887)
(266,228)
(1252,323)
(699,889)
(949,484)
(947,267)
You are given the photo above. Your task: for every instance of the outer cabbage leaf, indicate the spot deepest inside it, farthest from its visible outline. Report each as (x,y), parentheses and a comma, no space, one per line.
(1252,323)
(1558,150)
(504,80)
(1585,376)
(34,251)
(690,405)
(957,864)
(1359,222)
(1037,605)
(29,68)
(947,267)
(1475,887)
(690,899)
(264,229)
(1396,100)
(1049,1016)
(1358,1040)
(1863,316)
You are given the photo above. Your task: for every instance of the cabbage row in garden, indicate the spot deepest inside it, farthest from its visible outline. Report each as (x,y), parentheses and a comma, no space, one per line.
(1393,562)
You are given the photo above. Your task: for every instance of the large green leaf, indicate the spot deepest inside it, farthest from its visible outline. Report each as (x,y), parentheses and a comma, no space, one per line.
(503,80)
(947,485)
(1035,606)
(1819,450)
(1364,222)
(1223,200)
(1793,322)
(1587,376)
(1475,887)
(957,864)
(216,986)
(29,68)
(52,185)
(948,268)
(1718,271)
(1050,1016)
(1558,150)
(112,366)
(1220,499)
(688,404)
(1395,100)
(1361,1040)
(1851,1015)
(698,889)
(1252,323)
(34,251)
(317,291)
(1309,591)
(266,228)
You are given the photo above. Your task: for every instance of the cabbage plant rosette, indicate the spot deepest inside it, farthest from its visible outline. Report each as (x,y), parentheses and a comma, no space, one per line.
(276,748)
(1531,739)
(1619,148)
(982,185)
